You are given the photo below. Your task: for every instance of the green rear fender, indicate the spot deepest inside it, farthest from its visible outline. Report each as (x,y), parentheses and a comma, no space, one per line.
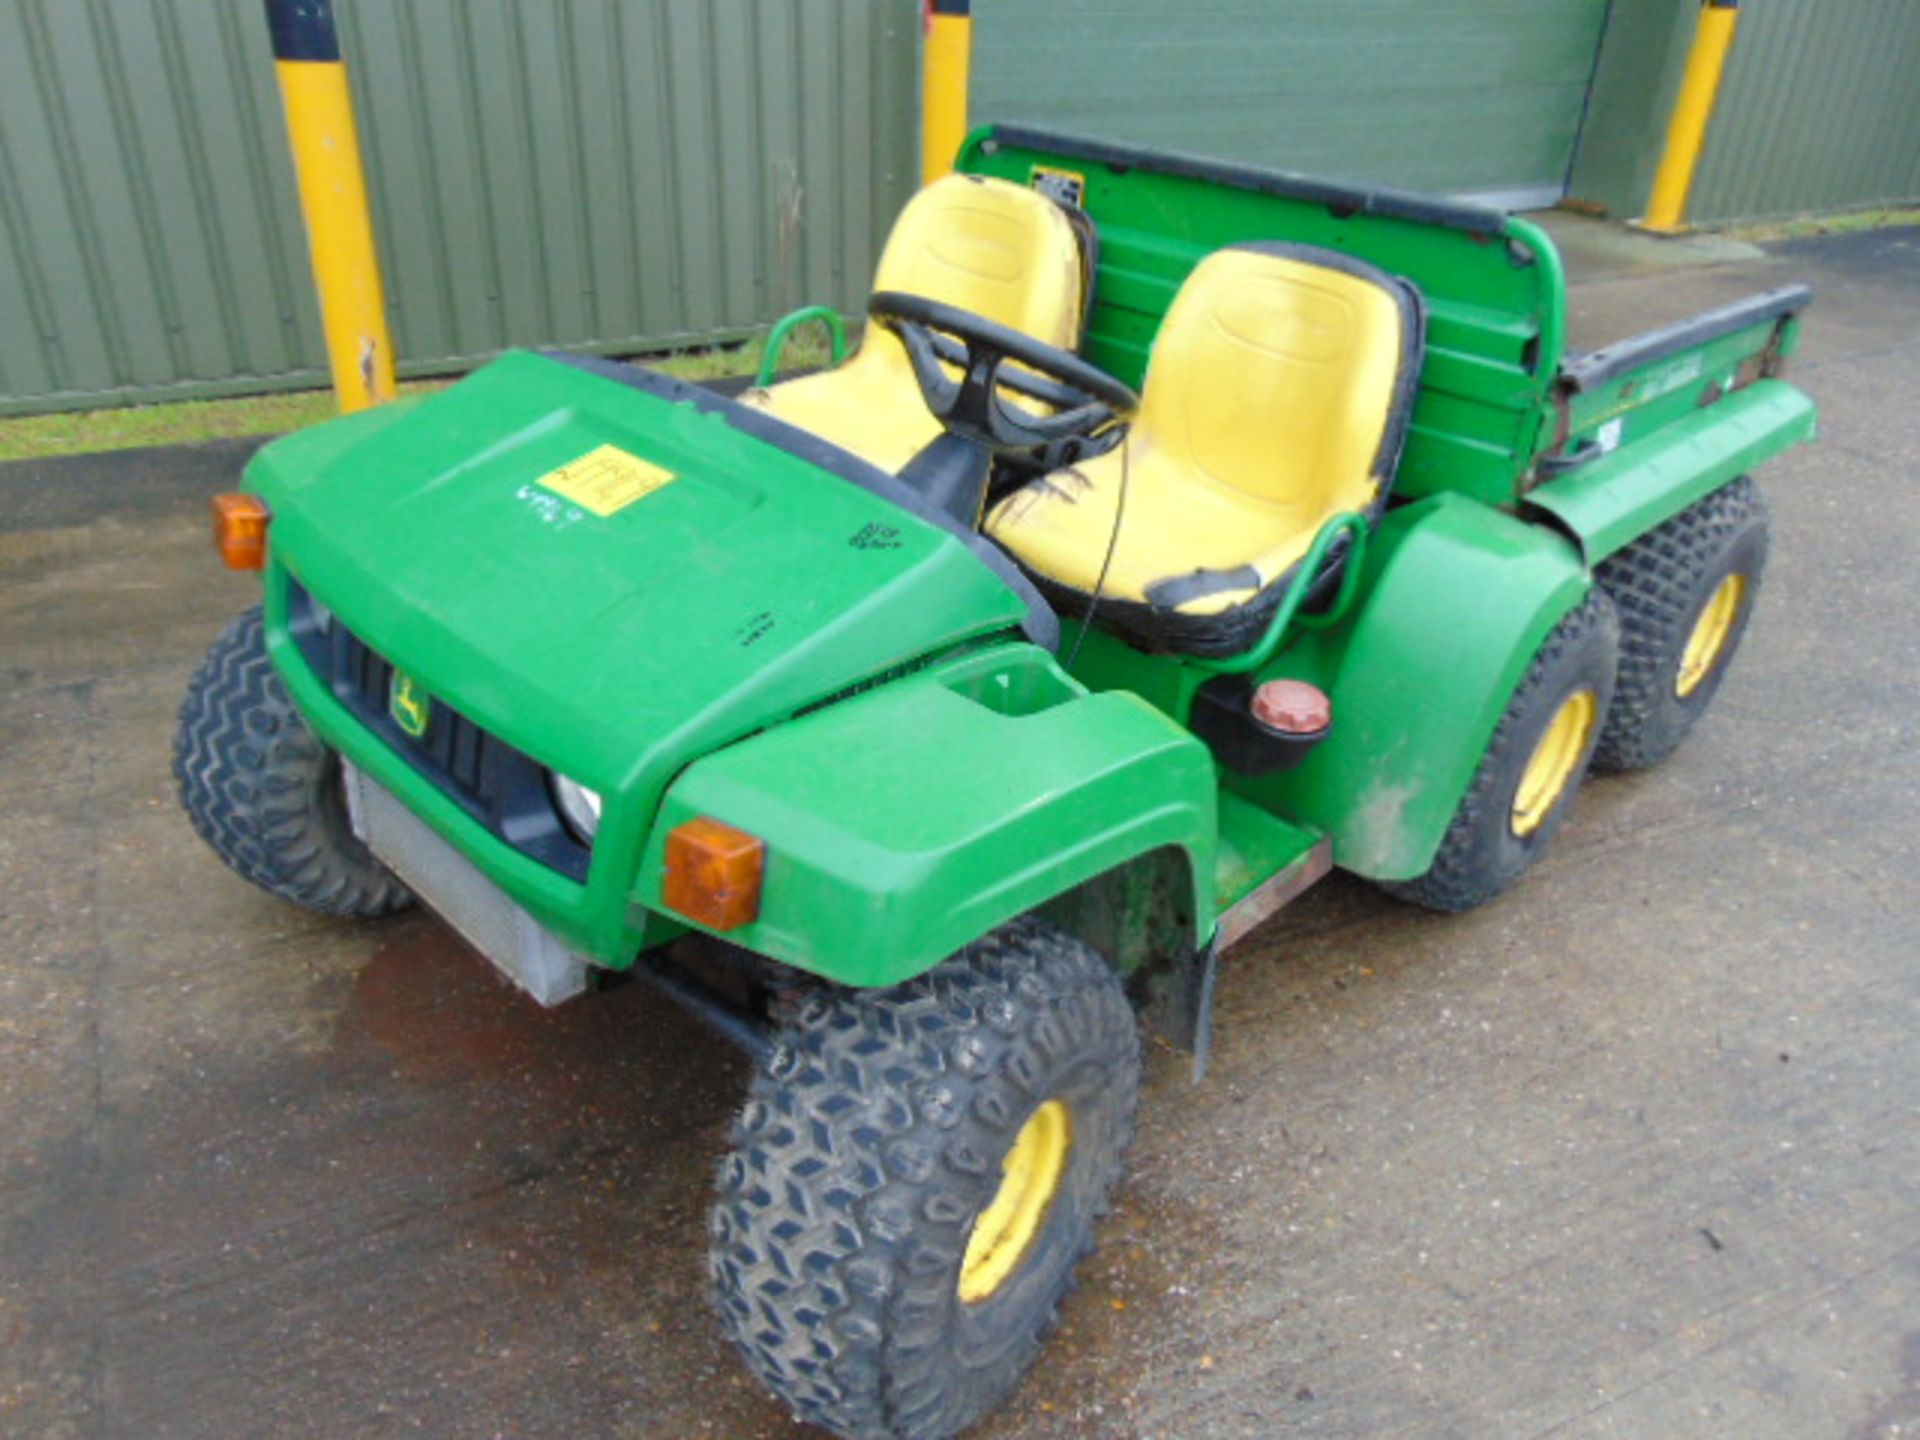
(1610,502)
(908,820)
(1455,600)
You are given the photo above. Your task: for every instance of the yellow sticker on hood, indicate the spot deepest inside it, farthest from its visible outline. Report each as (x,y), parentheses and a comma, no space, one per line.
(606,479)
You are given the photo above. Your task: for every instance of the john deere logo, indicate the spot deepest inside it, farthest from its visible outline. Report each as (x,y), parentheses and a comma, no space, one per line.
(409,705)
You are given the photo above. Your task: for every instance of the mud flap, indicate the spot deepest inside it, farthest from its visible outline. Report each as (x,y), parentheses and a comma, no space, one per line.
(1177,1003)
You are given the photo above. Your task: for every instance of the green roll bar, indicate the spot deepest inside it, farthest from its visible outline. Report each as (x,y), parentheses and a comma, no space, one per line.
(787,324)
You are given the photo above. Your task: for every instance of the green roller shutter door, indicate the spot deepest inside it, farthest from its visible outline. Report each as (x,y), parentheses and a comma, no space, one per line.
(1467,97)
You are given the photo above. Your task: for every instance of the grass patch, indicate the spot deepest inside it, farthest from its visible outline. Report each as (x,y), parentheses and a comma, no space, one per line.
(1877,218)
(183,422)
(79,432)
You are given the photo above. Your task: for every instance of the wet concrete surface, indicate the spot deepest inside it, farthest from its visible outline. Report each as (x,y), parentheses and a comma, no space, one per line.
(1633,1152)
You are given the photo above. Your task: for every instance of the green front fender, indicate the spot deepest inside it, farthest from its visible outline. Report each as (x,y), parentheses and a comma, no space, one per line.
(1455,599)
(908,820)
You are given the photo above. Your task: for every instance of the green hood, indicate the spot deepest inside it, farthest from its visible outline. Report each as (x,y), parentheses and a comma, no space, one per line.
(734,578)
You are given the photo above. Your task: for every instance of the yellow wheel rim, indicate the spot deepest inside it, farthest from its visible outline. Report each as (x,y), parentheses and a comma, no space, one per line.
(1554,760)
(1709,638)
(1029,1179)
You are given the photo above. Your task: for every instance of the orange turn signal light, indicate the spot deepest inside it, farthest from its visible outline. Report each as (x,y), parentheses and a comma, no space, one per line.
(714,873)
(240,530)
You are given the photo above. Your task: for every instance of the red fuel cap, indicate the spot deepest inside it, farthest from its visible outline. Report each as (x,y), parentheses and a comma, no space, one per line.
(1292,707)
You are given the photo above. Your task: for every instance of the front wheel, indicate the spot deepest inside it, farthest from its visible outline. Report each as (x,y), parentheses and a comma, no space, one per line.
(915,1175)
(263,792)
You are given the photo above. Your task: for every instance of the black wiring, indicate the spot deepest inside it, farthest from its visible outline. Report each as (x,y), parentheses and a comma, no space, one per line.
(1113,544)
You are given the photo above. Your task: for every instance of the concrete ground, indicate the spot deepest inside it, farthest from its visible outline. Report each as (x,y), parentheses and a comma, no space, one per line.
(1633,1152)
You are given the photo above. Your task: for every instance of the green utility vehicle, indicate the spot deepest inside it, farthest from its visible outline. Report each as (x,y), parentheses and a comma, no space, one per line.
(1178,532)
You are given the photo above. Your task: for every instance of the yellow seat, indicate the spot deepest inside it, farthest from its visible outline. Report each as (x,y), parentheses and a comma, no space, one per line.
(988,246)
(1276,397)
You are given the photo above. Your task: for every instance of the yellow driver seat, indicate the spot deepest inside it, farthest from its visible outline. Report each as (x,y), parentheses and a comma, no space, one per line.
(988,246)
(1276,397)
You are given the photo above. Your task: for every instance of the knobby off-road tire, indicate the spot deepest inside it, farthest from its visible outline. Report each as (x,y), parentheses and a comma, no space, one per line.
(264,792)
(1488,844)
(870,1145)
(1709,556)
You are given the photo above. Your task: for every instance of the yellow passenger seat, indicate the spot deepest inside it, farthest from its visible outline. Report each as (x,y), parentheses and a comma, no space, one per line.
(988,246)
(1276,397)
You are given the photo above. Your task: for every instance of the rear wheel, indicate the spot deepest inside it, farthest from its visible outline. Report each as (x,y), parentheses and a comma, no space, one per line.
(915,1175)
(1532,766)
(1685,591)
(263,792)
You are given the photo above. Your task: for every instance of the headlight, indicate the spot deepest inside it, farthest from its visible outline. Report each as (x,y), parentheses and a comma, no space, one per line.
(579,806)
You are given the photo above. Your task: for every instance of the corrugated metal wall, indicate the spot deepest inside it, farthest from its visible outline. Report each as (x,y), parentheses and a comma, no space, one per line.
(1819,110)
(1473,96)
(604,174)
(1641,59)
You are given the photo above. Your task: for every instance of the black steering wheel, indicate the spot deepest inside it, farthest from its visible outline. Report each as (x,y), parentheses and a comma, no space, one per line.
(1086,398)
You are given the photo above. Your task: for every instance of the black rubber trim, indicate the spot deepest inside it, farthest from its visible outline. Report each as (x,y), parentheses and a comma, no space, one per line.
(1041,625)
(1342,199)
(1176,591)
(1154,623)
(950,7)
(303,30)
(1087,235)
(1597,367)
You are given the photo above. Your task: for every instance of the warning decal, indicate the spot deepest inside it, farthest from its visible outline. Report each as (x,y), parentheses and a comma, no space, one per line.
(606,479)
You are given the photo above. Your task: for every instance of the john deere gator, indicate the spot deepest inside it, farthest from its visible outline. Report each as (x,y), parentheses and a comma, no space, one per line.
(1178,533)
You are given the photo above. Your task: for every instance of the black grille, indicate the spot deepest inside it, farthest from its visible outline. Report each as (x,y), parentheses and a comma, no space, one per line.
(501,787)
(453,745)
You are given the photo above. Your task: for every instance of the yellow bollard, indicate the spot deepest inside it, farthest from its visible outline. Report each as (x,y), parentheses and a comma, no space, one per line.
(333,200)
(943,85)
(1692,108)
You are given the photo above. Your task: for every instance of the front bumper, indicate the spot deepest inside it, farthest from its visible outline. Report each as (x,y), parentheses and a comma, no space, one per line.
(523,949)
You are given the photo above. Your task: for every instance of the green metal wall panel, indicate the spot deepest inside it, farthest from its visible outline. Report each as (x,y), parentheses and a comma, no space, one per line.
(604,174)
(1819,110)
(148,231)
(1463,96)
(1641,60)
